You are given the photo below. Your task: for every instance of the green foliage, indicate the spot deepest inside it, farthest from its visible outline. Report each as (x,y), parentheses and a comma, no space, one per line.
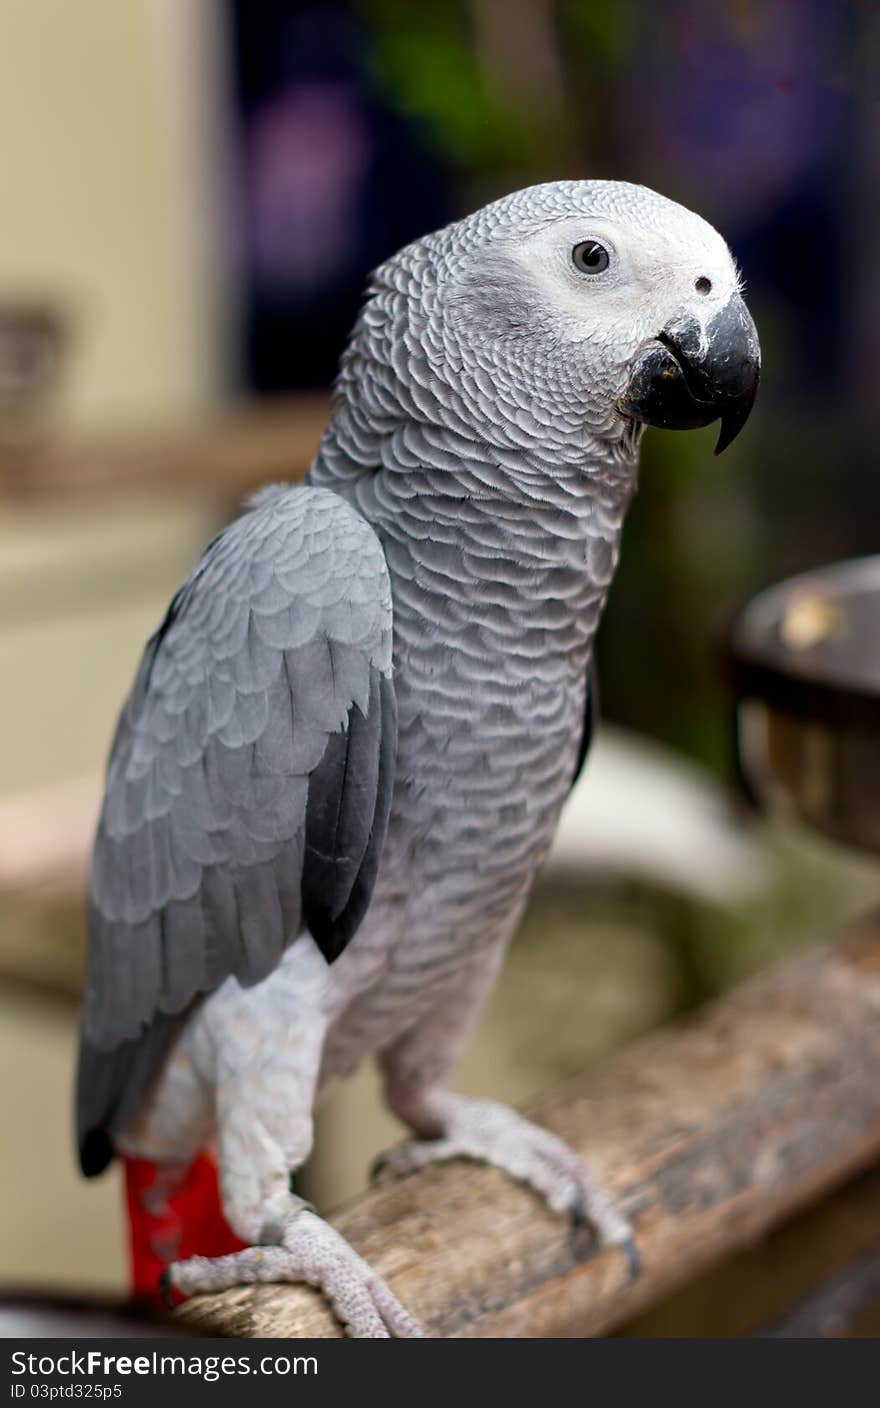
(486,110)
(603,30)
(424,60)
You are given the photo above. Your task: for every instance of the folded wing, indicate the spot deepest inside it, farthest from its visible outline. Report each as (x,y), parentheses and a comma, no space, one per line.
(248,787)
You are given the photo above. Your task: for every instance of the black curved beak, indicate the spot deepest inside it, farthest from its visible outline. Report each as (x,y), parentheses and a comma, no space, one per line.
(686,378)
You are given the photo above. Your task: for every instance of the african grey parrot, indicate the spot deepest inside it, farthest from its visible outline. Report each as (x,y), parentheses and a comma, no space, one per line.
(347,745)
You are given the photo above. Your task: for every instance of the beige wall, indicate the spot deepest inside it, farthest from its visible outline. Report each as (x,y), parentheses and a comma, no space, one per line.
(110,187)
(81,588)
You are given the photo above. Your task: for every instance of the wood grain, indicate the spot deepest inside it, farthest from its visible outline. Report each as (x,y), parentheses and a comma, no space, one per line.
(709,1134)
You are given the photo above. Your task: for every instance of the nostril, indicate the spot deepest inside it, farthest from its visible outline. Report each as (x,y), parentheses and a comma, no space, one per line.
(703,285)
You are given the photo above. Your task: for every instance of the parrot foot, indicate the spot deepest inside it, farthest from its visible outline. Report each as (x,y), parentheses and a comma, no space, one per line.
(485,1132)
(310,1250)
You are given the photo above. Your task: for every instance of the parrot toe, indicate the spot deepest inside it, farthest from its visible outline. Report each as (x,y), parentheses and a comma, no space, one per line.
(485,1132)
(310,1251)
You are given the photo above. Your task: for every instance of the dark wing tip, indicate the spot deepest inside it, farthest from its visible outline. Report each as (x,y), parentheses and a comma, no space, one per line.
(331,935)
(95,1152)
(347,819)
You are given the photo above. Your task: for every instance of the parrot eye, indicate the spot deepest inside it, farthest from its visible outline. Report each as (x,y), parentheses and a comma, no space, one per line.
(590,257)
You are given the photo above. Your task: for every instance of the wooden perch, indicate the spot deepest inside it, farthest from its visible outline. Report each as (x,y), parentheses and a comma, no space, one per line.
(709,1134)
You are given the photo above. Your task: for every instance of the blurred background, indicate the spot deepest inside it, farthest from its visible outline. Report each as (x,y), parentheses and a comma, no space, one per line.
(193,196)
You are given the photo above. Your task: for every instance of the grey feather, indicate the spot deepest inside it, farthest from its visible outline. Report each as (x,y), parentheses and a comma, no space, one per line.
(248,784)
(348,806)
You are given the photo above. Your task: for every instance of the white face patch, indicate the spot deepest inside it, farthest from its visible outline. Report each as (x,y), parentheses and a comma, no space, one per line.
(657,270)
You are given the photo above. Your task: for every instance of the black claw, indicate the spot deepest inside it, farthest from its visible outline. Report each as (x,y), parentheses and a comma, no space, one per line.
(166,1287)
(578,1214)
(378,1167)
(633,1259)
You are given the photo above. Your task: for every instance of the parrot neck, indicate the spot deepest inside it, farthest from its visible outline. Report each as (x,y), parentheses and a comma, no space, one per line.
(532,507)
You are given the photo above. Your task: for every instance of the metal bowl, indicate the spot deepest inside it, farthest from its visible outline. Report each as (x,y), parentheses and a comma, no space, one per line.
(805,662)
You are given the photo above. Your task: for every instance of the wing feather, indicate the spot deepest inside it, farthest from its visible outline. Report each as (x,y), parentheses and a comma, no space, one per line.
(248,786)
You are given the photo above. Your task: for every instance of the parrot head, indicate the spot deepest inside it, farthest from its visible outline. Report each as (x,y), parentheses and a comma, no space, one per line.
(577,308)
